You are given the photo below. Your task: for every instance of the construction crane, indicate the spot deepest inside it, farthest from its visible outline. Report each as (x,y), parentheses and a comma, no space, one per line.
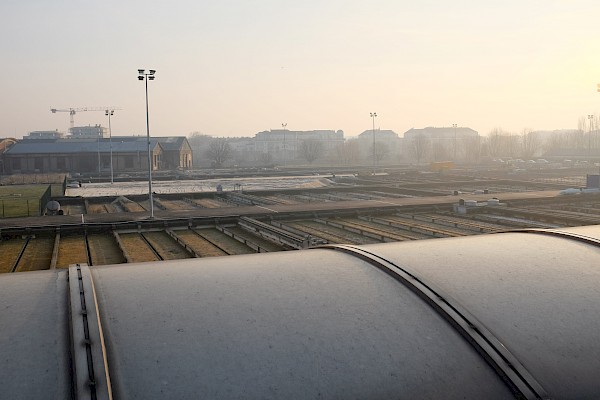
(73,111)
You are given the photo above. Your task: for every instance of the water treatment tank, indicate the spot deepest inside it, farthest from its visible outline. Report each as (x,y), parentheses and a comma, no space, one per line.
(52,207)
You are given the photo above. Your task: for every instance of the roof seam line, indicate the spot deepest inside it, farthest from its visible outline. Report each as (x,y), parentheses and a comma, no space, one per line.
(485,343)
(560,234)
(90,372)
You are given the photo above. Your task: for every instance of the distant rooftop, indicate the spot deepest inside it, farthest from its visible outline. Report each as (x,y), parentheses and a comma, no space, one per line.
(443,132)
(381,133)
(57,146)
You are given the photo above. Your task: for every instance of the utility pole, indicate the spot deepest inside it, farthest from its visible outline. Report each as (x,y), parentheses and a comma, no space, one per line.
(109,113)
(373,115)
(142,76)
(454,126)
(284,125)
(590,117)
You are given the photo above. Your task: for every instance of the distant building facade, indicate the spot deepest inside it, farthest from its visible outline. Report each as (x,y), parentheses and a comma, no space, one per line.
(283,144)
(88,132)
(387,142)
(45,135)
(5,143)
(445,133)
(82,155)
(175,151)
(441,144)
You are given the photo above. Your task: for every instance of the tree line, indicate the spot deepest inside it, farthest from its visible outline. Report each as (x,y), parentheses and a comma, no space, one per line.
(499,143)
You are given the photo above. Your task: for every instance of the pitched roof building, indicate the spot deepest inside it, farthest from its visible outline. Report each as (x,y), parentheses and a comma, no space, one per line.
(94,155)
(5,143)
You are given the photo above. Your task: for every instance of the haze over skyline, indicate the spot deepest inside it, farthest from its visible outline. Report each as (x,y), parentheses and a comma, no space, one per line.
(234,68)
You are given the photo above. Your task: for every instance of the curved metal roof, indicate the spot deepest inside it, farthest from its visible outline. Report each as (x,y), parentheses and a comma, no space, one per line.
(491,316)
(538,293)
(34,336)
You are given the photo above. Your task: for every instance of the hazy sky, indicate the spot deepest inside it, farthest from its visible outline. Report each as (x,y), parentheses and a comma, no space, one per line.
(234,67)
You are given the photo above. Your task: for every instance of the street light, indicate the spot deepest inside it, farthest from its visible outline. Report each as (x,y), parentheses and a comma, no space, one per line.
(283,125)
(373,115)
(598,89)
(109,113)
(454,126)
(98,143)
(142,76)
(590,117)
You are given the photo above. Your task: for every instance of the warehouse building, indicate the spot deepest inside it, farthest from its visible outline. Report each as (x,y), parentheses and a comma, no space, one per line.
(129,154)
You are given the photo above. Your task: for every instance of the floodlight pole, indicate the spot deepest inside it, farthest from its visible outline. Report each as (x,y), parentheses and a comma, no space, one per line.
(454,126)
(373,115)
(142,76)
(590,117)
(109,113)
(598,89)
(98,142)
(284,125)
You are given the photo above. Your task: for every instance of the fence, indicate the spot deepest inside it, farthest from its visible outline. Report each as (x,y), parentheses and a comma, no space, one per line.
(20,207)
(45,198)
(16,205)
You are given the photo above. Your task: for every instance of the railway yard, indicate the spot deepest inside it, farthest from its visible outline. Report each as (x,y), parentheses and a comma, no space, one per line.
(117,229)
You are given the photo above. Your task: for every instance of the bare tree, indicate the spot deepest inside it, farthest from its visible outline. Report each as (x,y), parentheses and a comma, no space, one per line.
(420,147)
(311,149)
(472,149)
(439,151)
(380,151)
(502,144)
(495,142)
(266,158)
(578,138)
(348,153)
(218,151)
(530,143)
(556,141)
(588,137)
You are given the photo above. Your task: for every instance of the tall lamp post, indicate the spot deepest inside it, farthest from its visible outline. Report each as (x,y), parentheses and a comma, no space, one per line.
(143,76)
(109,113)
(454,126)
(373,115)
(98,143)
(598,89)
(284,125)
(590,117)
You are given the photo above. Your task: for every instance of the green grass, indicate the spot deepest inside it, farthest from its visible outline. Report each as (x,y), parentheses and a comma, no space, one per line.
(21,200)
